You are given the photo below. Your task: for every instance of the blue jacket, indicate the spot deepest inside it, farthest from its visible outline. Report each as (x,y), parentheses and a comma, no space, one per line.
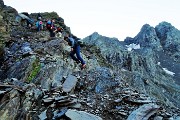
(71,42)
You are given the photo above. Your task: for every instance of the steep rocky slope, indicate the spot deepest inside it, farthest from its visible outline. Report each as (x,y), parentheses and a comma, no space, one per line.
(40,81)
(7,15)
(146,72)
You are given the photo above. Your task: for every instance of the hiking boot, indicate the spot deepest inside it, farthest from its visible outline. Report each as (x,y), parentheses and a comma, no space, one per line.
(83,66)
(77,61)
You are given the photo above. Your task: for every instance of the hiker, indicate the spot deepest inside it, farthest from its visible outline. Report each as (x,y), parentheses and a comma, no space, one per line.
(39,25)
(75,48)
(50,26)
(58,31)
(39,17)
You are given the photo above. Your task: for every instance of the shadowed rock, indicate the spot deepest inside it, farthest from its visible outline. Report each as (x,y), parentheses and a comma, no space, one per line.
(144,112)
(81,115)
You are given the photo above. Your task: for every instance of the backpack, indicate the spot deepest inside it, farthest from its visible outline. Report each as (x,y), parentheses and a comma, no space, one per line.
(59,29)
(48,25)
(79,41)
(38,23)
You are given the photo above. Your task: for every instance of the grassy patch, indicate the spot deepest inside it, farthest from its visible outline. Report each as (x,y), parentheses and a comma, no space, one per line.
(36,66)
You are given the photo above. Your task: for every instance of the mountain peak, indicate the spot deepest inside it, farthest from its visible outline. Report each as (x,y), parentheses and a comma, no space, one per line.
(94,35)
(170,39)
(165,27)
(145,27)
(147,37)
(165,24)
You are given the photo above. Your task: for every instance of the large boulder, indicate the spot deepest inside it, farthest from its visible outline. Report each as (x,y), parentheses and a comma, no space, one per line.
(144,112)
(81,115)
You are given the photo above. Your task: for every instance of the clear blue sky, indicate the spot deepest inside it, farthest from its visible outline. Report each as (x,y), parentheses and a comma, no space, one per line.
(111,18)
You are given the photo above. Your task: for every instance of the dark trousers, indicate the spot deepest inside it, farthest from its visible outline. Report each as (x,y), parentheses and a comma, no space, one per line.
(39,28)
(52,34)
(78,57)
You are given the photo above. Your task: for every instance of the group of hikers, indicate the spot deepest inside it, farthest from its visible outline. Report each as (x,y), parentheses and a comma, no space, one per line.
(39,24)
(72,40)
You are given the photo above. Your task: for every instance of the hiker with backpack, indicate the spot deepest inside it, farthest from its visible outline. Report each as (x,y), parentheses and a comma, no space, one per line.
(39,17)
(39,25)
(50,26)
(75,49)
(58,31)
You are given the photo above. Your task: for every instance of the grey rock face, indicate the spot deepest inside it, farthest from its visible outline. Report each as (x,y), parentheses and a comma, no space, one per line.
(107,44)
(170,39)
(110,49)
(1,4)
(21,68)
(101,79)
(6,20)
(147,37)
(157,50)
(10,110)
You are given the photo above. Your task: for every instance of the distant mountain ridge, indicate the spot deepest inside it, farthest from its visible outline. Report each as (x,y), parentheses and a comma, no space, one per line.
(159,49)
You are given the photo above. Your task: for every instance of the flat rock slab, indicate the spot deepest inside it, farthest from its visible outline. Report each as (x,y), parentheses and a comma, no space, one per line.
(2,92)
(69,83)
(42,116)
(143,112)
(81,115)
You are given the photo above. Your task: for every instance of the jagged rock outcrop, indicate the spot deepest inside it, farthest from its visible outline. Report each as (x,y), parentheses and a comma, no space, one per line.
(166,39)
(7,15)
(143,63)
(2,27)
(1,4)
(147,37)
(111,49)
(170,39)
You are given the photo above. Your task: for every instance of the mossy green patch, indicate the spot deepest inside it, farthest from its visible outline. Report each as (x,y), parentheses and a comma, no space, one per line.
(36,66)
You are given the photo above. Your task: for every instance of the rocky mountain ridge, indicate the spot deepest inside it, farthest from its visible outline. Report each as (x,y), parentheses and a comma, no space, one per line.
(40,81)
